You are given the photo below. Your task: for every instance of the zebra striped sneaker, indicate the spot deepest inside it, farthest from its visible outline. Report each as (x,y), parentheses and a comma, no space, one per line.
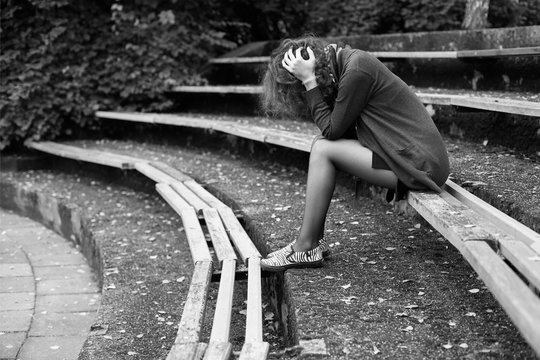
(323,244)
(293,259)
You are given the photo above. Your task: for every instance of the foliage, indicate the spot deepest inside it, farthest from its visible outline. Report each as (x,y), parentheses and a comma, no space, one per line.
(61,60)
(354,17)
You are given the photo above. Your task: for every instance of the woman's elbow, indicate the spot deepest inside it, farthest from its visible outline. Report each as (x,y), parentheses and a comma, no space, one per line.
(330,135)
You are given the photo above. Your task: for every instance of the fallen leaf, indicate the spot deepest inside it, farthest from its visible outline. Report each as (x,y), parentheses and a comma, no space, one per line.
(348,299)
(131,353)
(407,329)
(165,281)
(268,315)
(329,277)
(390,248)
(412,306)
(451,323)
(375,350)
(463,345)
(243,312)
(346,286)
(470,314)
(474,291)
(447,346)
(180,279)
(403,314)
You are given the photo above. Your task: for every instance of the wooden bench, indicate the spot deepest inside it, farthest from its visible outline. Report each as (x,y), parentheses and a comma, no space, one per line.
(503,252)
(454,54)
(191,201)
(513,103)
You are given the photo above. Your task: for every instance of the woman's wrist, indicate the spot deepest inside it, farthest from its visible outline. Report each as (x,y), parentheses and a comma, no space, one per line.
(310,82)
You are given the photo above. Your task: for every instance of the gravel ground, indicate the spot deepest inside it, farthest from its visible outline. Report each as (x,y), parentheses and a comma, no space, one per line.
(393,287)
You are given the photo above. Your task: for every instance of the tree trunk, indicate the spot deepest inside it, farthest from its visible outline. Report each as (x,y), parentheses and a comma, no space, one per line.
(476,14)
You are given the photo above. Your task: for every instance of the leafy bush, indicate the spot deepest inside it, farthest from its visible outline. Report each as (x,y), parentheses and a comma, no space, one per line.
(354,17)
(61,60)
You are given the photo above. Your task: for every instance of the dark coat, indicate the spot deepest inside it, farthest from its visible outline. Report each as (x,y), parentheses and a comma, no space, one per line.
(389,119)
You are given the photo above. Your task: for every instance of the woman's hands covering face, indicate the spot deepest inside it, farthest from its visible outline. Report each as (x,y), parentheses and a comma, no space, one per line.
(303,70)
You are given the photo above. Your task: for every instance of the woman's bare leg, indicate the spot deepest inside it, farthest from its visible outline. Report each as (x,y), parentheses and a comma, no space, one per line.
(326,157)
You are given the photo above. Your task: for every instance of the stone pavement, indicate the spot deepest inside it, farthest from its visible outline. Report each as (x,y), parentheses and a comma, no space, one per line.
(48,294)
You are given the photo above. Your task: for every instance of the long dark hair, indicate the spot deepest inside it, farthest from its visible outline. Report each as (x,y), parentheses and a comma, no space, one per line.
(282,92)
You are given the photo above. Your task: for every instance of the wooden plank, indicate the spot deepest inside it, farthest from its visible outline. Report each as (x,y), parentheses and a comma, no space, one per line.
(155,174)
(255,47)
(254,315)
(196,202)
(220,89)
(434,98)
(527,108)
(447,219)
(205,195)
(218,351)
(506,223)
(241,60)
(452,54)
(192,227)
(238,235)
(414,54)
(222,318)
(523,258)
(518,253)
(518,301)
(218,234)
(490,103)
(188,121)
(255,351)
(240,130)
(190,326)
(173,198)
(519,51)
(300,144)
(139,117)
(188,351)
(86,155)
(519,107)
(169,170)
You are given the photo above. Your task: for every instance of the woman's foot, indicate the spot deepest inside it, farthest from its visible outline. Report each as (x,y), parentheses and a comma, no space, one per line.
(323,244)
(287,258)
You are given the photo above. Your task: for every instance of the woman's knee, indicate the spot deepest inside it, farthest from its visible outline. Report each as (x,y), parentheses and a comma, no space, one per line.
(320,147)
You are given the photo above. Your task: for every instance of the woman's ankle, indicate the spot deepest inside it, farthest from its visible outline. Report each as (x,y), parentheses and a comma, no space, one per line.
(302,246)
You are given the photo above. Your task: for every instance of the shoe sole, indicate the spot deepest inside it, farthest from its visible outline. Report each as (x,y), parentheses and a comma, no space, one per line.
(325,253)
(314,264)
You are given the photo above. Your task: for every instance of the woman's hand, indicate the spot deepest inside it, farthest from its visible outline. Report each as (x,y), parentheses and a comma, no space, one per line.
(303,70)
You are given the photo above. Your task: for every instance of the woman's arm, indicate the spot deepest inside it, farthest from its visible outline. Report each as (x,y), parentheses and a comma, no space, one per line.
(354,90)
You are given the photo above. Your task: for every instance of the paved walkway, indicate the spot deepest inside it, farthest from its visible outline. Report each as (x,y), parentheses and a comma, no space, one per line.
(48,294)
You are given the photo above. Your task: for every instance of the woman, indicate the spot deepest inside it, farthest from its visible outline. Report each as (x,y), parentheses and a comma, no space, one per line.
(395,143)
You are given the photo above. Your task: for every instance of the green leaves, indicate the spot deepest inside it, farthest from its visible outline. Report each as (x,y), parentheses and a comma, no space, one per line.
(62,60)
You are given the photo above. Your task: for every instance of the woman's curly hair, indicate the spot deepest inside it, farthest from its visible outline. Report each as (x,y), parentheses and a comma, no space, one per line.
(282,94)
